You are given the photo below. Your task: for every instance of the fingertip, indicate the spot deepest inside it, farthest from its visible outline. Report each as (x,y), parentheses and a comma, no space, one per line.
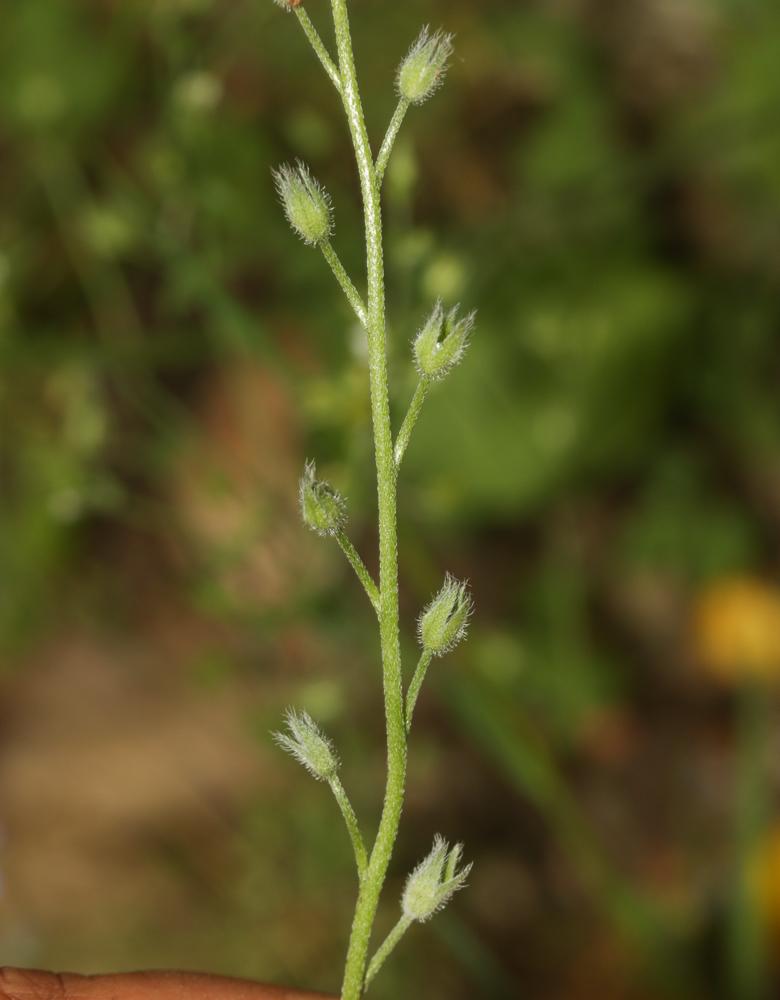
(30,984)
(11,982)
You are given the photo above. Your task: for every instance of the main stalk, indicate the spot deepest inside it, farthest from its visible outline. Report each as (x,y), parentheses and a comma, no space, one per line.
(373,880)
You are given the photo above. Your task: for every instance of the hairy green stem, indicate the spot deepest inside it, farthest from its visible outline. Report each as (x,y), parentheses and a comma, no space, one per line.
(416,684)
(319,47)
(371,885)
(359,567)
(361,858)
(405,433)
(352,294)
(387,146)
(387,946)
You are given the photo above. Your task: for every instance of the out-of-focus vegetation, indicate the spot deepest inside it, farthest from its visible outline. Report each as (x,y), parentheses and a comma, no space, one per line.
(603,179)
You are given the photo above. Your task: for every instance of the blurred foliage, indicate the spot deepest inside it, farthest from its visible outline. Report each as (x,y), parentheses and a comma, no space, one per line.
(600,178)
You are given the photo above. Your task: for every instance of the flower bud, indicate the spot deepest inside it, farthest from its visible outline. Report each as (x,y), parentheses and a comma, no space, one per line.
(323,508)
(434,881)
(442,342)
(444,622)
(305,741)
(450,869)
(288,5)
(306,203)
(422,71)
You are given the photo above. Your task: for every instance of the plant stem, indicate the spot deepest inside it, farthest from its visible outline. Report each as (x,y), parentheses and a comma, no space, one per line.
(410,419)
(319,47)
(371,885)
(361,859)
(358,565)
(345,281)
(387,146)
(416,684)
(387,946)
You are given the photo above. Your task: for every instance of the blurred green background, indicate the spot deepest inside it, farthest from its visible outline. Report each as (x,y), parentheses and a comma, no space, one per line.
(601,178)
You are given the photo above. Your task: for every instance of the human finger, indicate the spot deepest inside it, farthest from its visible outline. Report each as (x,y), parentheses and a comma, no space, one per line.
(29,984)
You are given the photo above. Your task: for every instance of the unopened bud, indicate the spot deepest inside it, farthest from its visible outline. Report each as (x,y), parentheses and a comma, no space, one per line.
(451,868)
(306,742)
(442,342)
(306,203)
(422,71)
(323,508)
(444,622)
(288,4)
(434,881)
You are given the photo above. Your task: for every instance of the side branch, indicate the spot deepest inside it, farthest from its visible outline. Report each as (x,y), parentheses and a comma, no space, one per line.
(319,47)
(361,858)
(416,684)
(405,433)
(386,947)
(387,146)
(359,567)
(352,294)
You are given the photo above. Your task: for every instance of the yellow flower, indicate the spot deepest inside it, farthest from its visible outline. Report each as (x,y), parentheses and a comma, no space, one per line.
(736,630)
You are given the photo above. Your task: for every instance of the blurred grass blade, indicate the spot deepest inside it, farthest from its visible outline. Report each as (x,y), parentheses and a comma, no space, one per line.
(521,755)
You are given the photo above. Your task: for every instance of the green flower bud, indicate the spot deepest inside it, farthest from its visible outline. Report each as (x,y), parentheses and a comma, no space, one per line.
(306,742)
(444,622)
(306,203)
(434,881)
(422,72)
(442,342)
(451,868)
(323,508)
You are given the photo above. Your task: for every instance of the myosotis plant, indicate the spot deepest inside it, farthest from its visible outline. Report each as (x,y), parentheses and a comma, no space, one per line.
(437,348)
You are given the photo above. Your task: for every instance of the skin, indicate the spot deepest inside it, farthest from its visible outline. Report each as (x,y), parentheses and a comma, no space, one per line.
(26,984)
